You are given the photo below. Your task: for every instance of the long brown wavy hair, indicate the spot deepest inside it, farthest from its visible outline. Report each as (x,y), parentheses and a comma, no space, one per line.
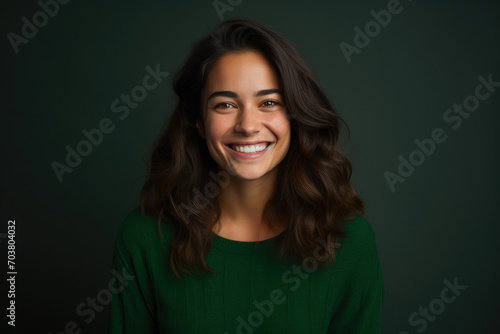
(313,193)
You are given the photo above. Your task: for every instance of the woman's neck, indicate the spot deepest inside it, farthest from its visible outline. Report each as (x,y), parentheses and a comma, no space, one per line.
(242,204)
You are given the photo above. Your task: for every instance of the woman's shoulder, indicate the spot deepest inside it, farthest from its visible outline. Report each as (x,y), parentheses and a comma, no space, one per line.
(359,226)
(138,231)
(360,236)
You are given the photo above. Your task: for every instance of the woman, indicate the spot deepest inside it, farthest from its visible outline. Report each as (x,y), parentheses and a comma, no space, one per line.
(248,220)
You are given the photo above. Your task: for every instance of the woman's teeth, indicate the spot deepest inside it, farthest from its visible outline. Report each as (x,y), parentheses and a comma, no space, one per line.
(249,148)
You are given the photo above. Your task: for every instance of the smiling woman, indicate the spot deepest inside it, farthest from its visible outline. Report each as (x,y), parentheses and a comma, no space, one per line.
(282,243)
(246,128)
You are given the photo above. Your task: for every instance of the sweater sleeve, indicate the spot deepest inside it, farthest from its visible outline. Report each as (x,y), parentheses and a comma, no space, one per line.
(132,308)
(360,307)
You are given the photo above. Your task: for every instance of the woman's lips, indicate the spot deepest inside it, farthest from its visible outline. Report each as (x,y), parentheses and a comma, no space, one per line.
(250,155)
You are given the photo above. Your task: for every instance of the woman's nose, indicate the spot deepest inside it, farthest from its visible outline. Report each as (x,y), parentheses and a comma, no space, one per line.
(248,121)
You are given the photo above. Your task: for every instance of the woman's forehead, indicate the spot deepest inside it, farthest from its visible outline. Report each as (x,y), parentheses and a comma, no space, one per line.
(243,73)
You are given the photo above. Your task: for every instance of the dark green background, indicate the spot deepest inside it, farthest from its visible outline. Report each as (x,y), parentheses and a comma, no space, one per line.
(439,224)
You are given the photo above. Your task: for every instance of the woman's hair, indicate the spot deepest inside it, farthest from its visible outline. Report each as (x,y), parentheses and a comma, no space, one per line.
(313,193)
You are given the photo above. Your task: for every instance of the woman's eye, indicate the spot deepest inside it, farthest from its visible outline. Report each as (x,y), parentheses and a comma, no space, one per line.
(224,105)
(270,103)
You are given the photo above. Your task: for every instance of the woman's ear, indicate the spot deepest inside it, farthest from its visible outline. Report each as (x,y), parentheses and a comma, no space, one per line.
(200,127)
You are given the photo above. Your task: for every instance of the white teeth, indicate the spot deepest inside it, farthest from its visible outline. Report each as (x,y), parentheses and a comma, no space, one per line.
(250,149)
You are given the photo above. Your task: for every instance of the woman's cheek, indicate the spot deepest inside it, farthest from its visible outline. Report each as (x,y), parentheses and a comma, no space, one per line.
(218,125)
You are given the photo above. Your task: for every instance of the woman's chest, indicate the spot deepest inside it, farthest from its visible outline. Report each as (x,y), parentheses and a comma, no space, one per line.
(248,295)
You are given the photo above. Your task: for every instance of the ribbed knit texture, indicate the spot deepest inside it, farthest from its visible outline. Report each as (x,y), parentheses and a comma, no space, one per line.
(253,291)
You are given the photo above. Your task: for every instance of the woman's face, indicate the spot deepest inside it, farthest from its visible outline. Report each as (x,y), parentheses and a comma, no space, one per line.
(244,110)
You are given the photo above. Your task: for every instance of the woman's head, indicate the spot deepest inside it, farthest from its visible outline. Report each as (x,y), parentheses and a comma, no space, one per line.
(242,109)
(225,91)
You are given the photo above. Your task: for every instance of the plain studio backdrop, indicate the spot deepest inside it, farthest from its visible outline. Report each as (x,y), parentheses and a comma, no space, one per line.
(418,83)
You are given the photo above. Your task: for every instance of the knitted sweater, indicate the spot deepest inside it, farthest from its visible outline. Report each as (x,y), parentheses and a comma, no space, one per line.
(252,291)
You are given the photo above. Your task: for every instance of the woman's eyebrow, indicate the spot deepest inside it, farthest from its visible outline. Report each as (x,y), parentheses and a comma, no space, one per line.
(231,94)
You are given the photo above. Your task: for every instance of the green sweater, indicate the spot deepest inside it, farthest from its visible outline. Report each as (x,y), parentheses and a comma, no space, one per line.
(252,291)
